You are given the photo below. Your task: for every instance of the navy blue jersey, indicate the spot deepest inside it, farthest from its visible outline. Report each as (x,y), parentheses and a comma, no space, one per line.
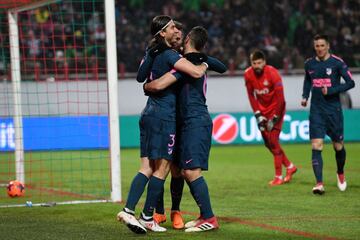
(162,105)
(328,73)
(191,102)
(191,97)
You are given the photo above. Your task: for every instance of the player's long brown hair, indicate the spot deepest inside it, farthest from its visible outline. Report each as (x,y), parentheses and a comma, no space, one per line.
(157,25)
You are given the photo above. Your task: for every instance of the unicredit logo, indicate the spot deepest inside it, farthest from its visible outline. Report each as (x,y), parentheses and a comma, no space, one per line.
(225,128)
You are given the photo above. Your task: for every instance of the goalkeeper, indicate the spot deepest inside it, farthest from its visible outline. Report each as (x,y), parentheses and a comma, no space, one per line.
(266,95)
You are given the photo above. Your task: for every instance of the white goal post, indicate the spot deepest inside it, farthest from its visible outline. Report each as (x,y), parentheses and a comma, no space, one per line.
(112,78)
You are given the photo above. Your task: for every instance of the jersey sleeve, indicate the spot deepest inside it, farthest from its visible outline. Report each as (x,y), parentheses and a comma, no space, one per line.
(307,83)
(346,75)
(176,74)
(144,68)
(216,65)
(250,91)
(172,57)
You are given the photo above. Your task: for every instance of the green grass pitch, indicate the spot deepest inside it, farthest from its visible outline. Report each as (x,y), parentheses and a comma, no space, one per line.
(246,206)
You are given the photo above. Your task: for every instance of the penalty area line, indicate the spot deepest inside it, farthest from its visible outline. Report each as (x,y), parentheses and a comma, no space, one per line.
(268,227)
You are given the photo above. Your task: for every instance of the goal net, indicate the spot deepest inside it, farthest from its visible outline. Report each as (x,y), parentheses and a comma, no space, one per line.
(59,132)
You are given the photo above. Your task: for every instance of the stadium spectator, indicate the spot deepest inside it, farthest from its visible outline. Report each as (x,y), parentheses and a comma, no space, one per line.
(241,61)
(322,78)
(265,25)
(266,95)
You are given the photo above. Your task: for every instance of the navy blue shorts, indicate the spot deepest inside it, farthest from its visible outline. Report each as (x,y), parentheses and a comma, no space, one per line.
(331,124)
(194,147)
(157,138)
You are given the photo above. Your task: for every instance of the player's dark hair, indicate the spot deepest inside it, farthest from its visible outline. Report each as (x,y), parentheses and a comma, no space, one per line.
(321,36)
(179,25)
(256,55)
(157,25)
(198,37)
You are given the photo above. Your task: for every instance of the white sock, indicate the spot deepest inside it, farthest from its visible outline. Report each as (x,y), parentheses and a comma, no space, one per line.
(146,218)
(129,211)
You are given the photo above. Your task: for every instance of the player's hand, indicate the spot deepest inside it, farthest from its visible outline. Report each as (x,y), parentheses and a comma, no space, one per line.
(261,121)
(272,122)
(157,49)
(304,102)
(324,90)
(146,92)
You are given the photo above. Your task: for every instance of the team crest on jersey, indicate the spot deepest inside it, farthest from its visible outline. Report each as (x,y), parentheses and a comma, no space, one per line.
(328,71)
(266,83)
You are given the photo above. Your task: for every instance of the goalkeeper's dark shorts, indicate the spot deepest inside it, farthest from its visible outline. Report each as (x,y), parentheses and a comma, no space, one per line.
(331,124)
(157,138)
(194,147)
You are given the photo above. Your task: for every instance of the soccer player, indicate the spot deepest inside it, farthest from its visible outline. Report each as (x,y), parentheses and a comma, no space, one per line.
(322,78)
(177,181)
(266,95)
(157,128)
(195,127)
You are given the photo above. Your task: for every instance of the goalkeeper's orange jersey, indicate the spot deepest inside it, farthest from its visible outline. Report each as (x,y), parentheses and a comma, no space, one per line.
(265,91)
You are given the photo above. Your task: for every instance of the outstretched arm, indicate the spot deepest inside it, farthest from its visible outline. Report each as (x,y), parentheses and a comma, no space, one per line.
(161,83)
(216,65)
(185,66)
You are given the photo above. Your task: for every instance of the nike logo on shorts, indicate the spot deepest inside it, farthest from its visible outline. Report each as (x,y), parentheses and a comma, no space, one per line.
(170,151)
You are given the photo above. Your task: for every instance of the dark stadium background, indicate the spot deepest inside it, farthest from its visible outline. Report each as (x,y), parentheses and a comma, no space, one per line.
(282,28)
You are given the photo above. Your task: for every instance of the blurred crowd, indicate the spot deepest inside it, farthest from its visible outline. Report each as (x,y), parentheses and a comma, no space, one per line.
(282,28)
(69,36)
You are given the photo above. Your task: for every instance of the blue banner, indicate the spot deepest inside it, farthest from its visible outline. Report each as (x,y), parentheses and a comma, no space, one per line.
(92,132)
(57,133)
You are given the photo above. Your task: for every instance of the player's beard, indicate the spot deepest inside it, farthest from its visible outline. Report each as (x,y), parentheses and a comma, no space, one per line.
(258,71)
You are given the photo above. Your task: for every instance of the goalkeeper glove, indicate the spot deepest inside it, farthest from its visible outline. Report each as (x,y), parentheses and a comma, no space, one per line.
(157,49)
(271,123)
(261,120)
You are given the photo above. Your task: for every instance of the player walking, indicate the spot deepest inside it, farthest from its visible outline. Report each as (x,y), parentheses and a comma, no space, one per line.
(266,95)
(322,77)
